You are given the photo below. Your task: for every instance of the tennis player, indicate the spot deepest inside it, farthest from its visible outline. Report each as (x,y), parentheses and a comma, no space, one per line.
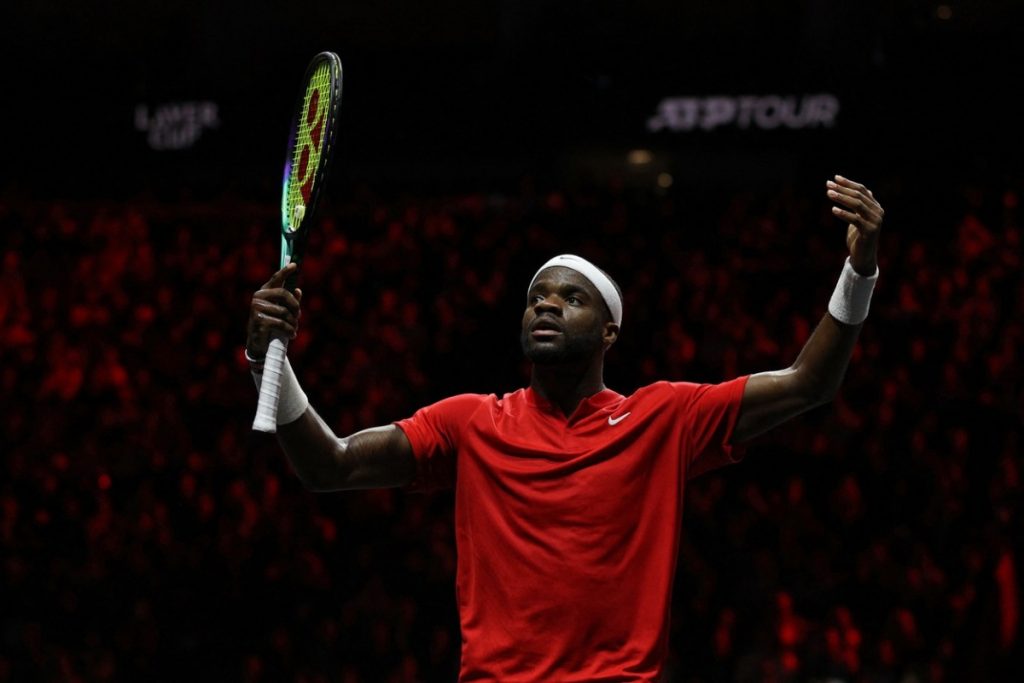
(568,495)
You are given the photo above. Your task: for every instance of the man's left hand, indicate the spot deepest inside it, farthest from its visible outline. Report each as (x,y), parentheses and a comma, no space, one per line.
(858,207)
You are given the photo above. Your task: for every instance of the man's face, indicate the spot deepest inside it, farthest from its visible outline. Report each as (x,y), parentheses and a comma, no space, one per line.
(566,320)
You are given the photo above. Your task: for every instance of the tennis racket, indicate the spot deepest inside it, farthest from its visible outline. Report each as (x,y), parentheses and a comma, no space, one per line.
(310,144)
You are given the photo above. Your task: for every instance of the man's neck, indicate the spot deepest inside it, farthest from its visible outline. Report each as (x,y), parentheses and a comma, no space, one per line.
(565,386)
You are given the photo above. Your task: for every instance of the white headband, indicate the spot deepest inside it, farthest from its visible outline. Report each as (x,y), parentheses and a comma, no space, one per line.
(596,277)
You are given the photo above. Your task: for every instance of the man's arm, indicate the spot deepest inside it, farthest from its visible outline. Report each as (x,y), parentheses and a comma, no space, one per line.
(379,457)
(771,398)
(373,458)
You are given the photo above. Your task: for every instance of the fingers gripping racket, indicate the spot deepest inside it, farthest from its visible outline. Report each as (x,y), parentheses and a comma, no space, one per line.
(310,144)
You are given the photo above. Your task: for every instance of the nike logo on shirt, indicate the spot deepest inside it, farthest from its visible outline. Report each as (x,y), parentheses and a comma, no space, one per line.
(616,420)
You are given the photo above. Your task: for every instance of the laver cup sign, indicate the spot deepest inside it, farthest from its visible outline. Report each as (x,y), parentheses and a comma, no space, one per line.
(310,143)
(758,112)
(175,125)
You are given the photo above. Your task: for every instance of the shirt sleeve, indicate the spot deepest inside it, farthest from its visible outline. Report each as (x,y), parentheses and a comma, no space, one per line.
(435,433)
(710,412)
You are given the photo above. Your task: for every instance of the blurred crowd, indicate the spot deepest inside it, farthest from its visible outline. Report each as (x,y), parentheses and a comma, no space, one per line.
(148,534)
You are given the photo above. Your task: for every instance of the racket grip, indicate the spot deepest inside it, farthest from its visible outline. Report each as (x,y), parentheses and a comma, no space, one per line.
(270,387)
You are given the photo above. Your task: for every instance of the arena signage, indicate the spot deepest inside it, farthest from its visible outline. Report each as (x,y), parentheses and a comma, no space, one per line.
(175,125)
(761,112)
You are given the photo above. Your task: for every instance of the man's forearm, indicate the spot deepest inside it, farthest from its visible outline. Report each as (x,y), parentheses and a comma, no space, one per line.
(312,448)
(771,398)
(821,364)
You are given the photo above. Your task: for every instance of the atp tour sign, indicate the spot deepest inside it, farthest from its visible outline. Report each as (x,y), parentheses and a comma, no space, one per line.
(761,112)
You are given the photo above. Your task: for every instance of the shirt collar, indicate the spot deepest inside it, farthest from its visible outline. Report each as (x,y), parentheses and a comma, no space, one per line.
(588,406)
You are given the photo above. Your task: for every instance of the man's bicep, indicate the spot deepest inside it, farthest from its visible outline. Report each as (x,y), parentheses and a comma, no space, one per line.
(769,399)
(380,457)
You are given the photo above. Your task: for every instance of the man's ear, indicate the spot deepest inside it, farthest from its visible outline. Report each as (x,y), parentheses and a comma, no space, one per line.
(610,333)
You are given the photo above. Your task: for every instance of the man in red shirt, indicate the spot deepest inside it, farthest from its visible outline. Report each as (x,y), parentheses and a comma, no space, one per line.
(568,495)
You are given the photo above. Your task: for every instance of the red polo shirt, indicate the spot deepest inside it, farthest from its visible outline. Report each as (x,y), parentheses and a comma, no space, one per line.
(568,528)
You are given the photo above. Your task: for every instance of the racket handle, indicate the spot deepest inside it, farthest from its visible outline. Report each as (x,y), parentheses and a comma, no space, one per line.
(270,387)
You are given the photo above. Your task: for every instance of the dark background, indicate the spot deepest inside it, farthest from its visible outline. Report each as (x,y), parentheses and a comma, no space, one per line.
(457,93)
(149,535)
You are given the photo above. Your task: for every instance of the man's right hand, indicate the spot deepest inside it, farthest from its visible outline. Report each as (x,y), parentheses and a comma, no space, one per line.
(274,310)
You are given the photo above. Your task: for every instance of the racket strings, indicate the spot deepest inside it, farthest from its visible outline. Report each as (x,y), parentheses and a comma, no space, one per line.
(309,140)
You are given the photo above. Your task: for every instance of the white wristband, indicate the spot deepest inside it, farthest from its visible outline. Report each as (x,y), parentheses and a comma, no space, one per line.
(852,296)
(293,401)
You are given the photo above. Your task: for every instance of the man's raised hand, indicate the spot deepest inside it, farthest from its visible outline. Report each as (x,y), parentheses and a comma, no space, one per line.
(856,205)
(273,309)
